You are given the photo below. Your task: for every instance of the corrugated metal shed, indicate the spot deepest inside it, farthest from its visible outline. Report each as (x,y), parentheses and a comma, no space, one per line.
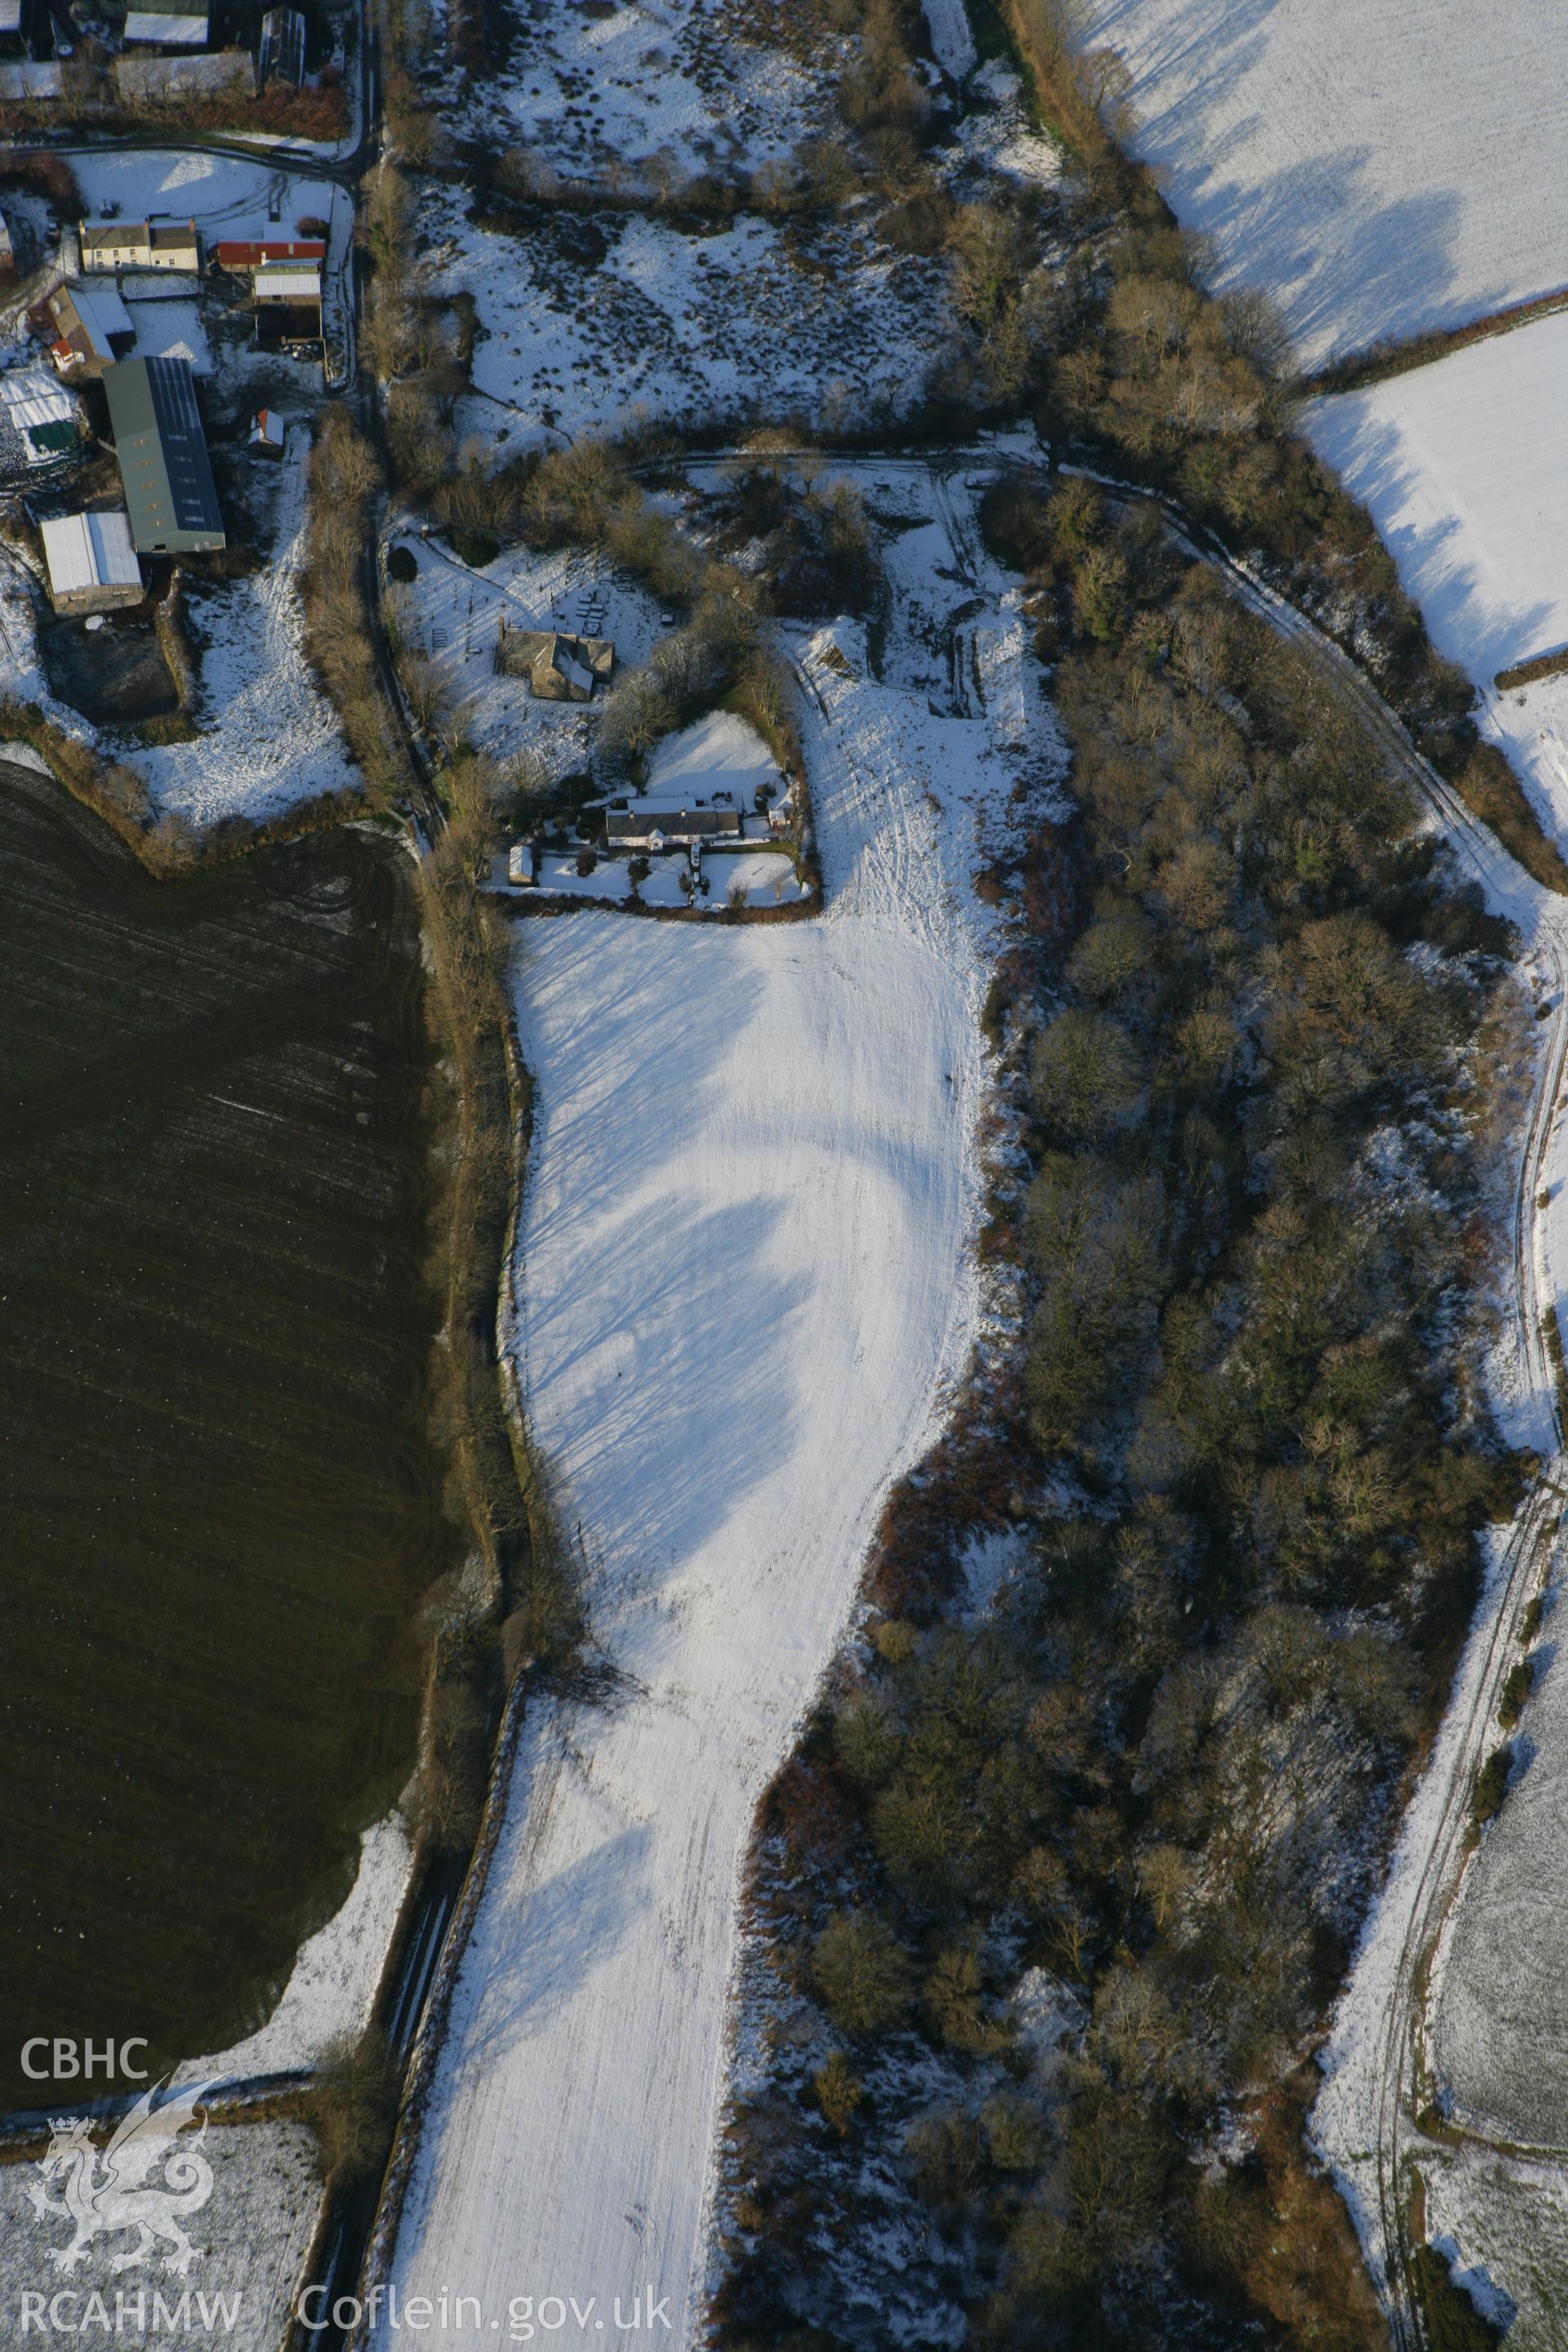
(173,27)
(285,281)
(89,551)
(163,455)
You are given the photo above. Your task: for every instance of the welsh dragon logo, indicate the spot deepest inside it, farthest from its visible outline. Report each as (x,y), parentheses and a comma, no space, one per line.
(113,2188)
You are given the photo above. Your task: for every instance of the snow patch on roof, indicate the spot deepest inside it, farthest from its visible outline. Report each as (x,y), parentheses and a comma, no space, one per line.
(33,397)
(89,551)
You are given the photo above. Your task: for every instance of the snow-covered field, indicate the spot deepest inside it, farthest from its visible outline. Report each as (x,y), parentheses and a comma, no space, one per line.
(1504,2225)
(685,327)
(745,1292)
(719,755)
(1380,170)
(1464,466)
(651,79)
(253,2233)
(1500,2014)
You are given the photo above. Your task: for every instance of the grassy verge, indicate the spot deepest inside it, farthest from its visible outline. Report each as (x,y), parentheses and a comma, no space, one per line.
(513,1600)
(528,1607)
(512,1614)
(1073,90)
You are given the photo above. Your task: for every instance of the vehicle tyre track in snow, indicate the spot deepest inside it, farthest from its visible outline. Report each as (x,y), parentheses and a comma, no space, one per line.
(744,1293)
(726,1114)
(741,1296)
(1429,1867)
(1457,1756)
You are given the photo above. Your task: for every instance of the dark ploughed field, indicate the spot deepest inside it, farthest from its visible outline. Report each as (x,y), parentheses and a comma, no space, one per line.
(218,1502)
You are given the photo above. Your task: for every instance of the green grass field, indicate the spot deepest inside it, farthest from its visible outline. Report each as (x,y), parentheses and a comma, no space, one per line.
(217,1503)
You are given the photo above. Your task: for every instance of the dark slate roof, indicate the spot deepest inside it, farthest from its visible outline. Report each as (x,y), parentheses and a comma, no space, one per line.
(676,825)
(162,452)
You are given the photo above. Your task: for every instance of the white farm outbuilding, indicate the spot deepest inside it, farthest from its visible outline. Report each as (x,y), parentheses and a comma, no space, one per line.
(92,564)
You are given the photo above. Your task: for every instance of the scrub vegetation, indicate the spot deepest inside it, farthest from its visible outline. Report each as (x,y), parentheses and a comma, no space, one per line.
(1240,1462)
(1134,367)
(1050,1904)
(344,479)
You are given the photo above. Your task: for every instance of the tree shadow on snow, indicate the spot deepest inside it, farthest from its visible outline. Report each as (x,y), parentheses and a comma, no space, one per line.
(1464,615)
(671,1339)
(547,1940)
(1347,265)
